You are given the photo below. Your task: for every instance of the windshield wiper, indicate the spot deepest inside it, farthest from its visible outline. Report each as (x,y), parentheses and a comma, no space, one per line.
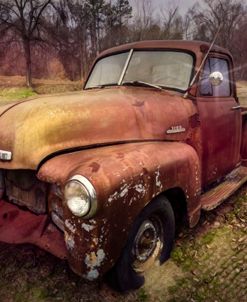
(103,86)
(138,83)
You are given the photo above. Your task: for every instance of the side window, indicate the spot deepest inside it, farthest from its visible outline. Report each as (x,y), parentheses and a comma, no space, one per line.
(206,88)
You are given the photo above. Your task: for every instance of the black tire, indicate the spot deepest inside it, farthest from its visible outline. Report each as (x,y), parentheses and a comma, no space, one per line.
(124,277)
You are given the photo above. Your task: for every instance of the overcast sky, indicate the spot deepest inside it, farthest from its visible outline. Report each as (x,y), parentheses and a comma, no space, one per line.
(183,4)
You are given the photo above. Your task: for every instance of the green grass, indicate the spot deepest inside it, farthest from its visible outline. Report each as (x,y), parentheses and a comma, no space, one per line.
(142,295)
(19,93)
(208,238)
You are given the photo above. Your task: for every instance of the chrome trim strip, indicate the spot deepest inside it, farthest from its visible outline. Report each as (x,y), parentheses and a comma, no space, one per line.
(57,221)
(237,107)
(125,67)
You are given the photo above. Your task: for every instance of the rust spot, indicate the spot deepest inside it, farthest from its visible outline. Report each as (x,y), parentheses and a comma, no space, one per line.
(145,171)
(138,103)
(120,155)
(95,167)
(10,215)
(194,120)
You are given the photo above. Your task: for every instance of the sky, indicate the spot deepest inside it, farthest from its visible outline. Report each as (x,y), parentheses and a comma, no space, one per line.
(183,4)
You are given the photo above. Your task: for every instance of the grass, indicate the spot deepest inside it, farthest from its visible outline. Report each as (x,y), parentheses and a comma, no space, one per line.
(142,295)
(18,93)
(13,88)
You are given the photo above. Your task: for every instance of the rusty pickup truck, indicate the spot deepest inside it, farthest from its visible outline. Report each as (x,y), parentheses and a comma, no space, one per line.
(103,177)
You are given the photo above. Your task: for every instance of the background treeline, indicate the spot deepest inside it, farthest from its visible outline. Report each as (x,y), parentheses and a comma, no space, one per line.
(61,38)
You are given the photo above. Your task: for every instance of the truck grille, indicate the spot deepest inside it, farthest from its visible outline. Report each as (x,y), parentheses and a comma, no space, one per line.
(24,189)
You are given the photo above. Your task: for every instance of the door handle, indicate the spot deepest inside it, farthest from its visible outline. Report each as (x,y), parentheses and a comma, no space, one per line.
(237,107)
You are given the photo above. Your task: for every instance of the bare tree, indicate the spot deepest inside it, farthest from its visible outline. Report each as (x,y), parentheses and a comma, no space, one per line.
(144,19)
(72,32)
(239,49)
(172,22)
(118,14)
(231,15)
(150,23)
(215,13)
(24,17)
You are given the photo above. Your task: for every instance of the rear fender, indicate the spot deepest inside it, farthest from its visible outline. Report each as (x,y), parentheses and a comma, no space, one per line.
(126,178)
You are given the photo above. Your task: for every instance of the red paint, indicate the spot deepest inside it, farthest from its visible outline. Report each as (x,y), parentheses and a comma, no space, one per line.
(19,226)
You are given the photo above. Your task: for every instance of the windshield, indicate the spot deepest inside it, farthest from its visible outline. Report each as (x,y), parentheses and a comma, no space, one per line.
(169,69)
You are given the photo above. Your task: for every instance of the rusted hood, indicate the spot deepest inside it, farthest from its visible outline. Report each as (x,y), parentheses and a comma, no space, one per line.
(35,129)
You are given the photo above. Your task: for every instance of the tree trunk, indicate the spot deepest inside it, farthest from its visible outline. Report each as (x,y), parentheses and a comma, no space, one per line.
(27,49)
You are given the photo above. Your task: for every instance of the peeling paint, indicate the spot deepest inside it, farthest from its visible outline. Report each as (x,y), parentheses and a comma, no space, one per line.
(92,275)
(157,180)
(69,241)
(93,221)
(140,188)
(95,241)
(132,200)
(124,192)
(69,225)
(94,261)
(112,197)
(87,227)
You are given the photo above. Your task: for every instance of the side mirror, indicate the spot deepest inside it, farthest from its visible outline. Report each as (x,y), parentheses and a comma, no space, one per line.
(216,78)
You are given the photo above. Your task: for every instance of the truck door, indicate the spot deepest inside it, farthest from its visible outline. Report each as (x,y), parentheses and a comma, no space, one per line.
(220,118)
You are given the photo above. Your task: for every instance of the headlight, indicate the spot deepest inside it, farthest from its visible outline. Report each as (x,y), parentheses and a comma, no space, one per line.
(80,196)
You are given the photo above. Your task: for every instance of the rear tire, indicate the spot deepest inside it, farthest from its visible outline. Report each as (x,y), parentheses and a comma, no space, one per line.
(151,238)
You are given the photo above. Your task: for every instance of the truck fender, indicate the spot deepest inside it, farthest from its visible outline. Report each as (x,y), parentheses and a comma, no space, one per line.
(126,178)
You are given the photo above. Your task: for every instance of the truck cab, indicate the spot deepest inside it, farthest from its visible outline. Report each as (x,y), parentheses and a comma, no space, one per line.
(103,177)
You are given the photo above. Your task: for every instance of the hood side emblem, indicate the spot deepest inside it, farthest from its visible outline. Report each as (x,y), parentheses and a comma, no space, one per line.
(5,155)
(176,129)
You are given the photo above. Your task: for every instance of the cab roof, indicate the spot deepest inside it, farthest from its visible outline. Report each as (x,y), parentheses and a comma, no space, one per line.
(196,47)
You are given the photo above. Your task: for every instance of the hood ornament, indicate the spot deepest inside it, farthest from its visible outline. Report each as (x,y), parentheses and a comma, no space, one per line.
(5,155)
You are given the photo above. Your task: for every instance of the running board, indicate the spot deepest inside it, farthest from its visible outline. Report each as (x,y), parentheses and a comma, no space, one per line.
(233,181)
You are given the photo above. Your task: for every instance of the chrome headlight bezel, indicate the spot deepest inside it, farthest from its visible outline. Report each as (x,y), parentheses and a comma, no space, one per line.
(91,193)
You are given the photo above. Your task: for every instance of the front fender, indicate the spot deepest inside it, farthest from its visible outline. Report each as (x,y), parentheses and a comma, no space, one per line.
(126,178)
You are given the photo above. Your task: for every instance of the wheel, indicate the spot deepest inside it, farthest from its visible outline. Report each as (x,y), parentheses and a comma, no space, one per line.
(150,239)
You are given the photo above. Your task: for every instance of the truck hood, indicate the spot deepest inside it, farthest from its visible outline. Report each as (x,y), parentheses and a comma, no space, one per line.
(35,129)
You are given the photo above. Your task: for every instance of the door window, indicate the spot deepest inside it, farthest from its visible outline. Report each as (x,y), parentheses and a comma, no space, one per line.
(215,65)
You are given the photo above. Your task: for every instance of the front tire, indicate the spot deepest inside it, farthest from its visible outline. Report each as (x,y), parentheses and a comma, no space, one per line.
(151,238)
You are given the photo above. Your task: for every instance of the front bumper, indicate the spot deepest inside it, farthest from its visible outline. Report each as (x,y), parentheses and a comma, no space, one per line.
(18,226)
(84,244)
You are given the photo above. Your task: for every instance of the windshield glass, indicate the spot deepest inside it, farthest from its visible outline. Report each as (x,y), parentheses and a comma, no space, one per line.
(170,69)
(107,71)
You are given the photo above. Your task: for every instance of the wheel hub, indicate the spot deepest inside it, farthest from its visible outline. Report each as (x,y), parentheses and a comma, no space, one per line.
(146,241)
